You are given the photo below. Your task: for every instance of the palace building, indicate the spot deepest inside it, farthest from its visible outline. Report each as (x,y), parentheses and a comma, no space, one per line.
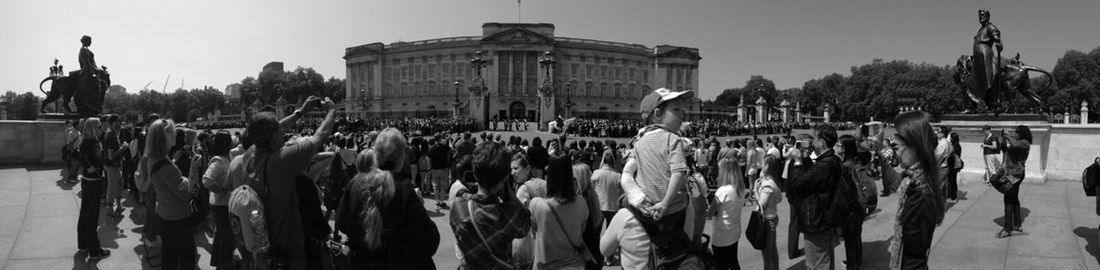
(590,78)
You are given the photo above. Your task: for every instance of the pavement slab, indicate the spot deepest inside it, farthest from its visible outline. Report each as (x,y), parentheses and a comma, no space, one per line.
(1060,230)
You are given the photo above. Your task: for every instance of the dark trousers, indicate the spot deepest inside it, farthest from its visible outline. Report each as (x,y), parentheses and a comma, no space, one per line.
(87,238)
(726,257)
(916,239)
(792,236)
(224,242)
(179,250)
(152,226)
(953,184)
(1012,206)
(853,241)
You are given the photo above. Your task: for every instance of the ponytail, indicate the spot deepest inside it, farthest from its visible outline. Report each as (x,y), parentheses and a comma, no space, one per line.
(377,194)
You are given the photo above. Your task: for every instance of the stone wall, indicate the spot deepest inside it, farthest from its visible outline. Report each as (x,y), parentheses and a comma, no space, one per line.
(31,142)
(1059,152)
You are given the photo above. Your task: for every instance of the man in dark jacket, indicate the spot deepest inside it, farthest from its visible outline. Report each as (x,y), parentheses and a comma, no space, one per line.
(811,193)
(438,157)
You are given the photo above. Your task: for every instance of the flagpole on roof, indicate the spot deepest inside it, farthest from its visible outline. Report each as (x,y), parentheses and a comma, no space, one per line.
(519,11)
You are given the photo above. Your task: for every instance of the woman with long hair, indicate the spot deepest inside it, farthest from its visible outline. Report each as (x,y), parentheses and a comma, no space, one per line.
(726,209)
(768,197)
(955,167)
(1017,145)
(921,206)
(383,217)
(216,180)
(91,183)
(559,220)
(173,195)
(582,175)
(527,187)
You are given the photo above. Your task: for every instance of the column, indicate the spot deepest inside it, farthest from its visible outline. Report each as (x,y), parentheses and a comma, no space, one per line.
(1084,112)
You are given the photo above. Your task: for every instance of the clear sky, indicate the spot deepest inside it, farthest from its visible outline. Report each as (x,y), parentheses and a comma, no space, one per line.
(217,43)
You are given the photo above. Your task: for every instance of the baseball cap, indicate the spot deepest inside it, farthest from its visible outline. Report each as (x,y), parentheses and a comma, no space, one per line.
(660,96)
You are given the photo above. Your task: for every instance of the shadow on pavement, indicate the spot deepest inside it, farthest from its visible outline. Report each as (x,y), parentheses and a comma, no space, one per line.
(80,261)
(1092,241)
(1024,212)
(876,255)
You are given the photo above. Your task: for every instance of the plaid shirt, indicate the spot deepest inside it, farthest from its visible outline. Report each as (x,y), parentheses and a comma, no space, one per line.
(499,223)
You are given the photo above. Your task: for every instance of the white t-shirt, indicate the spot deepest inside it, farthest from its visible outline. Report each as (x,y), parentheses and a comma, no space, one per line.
(727,225)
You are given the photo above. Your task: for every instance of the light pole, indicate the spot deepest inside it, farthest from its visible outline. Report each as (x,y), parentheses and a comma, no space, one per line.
(568,100)
(457,104)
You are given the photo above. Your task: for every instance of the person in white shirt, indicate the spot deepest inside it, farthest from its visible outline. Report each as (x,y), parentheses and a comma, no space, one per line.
(768,197)
(726,209)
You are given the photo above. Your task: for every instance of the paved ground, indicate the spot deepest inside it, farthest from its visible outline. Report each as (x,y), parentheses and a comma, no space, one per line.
(38,230)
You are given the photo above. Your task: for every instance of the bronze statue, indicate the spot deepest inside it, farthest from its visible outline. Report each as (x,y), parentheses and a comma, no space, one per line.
(1012,76)
(986,77)
(987,52)
(87,85)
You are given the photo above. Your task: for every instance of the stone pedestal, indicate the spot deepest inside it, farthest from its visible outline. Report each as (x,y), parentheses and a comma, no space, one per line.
(31,142)
(479,107)
(971,136)
(548,111)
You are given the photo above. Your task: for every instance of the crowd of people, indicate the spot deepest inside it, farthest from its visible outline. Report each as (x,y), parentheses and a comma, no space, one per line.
(267,195)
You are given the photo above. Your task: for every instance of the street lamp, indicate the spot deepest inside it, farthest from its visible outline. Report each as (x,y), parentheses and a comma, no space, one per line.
(457,104)
(568,100)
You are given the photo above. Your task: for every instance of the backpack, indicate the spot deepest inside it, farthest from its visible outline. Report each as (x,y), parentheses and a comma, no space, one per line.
(246,198)
(845,198)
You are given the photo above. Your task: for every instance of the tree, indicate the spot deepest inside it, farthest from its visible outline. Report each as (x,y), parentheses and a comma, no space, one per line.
(21,106)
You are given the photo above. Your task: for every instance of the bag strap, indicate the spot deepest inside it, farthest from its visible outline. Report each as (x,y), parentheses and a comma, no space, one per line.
(562,225)
(470,207)
(158,165)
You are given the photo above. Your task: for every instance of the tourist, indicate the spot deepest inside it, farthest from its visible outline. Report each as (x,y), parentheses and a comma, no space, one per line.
(582,175)
(112,164)
(702,159)
(384,218)
(921,204)
(1017,144)
(991,153)
(91,179)
(605,181)
(810,192)
(173,194)
(560,220)
(660,161)
(485,223)
(240,168)
(625,234)
(72,147)
(755,160)
(216,180)
(768,195)
(439,157)
(277,166)
(791,167)
(726,207)
(539,157)
(527,188)
(852,230)
(944,152)
(955,166)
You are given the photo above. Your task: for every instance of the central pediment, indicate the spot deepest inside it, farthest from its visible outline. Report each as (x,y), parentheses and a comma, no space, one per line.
(518,35)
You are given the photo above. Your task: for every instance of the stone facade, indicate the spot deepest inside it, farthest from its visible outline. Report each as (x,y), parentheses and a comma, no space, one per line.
(601,78)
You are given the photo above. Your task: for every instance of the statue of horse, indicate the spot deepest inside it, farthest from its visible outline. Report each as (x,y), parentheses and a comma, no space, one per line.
(1012,75)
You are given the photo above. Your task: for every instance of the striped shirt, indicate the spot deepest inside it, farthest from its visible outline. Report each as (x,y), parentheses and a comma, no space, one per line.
(659,155)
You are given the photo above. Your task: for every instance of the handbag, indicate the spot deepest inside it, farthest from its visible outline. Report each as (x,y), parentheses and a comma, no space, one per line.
(1003,182)
(756,232)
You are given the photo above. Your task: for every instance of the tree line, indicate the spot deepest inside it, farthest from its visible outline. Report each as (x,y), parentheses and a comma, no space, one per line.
(185,105)
(879,88)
